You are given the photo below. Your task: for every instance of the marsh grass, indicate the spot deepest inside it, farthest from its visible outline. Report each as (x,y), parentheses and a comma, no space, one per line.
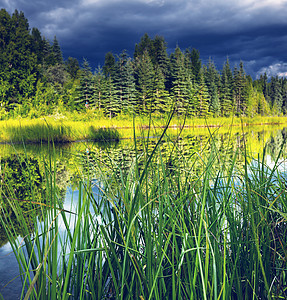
(103,134)
(44,131)
(74,127)
(159,231)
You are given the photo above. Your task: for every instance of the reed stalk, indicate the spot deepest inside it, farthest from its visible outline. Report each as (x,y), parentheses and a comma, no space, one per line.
(167,227)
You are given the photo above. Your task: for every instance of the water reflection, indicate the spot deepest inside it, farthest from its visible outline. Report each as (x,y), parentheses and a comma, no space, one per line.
(72,160)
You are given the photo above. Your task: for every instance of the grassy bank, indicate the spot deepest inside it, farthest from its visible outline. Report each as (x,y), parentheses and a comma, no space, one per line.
(87,127)
(157,230)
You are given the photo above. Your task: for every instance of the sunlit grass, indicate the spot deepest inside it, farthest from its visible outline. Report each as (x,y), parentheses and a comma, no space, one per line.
(56,129)
(202,229)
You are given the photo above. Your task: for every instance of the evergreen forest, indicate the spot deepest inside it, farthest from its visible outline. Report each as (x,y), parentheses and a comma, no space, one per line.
(35,80)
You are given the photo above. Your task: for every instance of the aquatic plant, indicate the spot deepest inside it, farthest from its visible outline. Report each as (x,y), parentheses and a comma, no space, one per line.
(160,230)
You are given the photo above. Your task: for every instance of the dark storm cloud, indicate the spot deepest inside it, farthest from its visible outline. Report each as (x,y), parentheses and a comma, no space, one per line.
(251,31)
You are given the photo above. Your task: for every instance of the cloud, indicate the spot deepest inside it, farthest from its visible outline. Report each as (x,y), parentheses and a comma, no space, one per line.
(253,31)
(276,69)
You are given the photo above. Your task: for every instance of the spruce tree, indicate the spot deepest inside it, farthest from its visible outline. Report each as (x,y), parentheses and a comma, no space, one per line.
(125,84)
(99,88)
(131,99)
(48,55)
(111,103)
(37,45)
(86,88)
(226,97)
(57,53)
(161,98)
(181,82)
(239,90)
(276,95)
(284,95)
(72,67)
(212,79)
(195,64)
(145,44)
(202,98)
(109,65)
(145,84)
(159,55)
(18,63)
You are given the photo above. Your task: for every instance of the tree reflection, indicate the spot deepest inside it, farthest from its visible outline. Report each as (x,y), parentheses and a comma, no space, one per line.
(21,187)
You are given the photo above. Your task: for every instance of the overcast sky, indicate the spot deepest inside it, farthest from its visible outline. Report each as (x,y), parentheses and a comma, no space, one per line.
(252,31)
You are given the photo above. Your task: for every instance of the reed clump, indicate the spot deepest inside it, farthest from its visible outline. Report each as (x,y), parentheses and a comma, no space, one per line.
(80,126)
(103,134)
(201,229)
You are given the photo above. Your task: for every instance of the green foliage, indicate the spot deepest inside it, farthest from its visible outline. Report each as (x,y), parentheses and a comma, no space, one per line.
(240,90)
(164,225)
(18,174)
(100,88)
(151,82)
(110,65)
(276,95)
(21,186)
(145,82)
(72,67)
(195,64)
(201,98)
(86,87)
(226,99)
(181,84)
(58,59)
(103,134)
(124,83)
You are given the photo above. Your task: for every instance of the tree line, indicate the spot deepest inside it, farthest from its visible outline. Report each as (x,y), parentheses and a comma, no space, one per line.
(35,80)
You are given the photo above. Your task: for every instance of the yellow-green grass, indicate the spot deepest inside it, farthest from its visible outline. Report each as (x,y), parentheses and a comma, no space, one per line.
(158,230)
(66,130)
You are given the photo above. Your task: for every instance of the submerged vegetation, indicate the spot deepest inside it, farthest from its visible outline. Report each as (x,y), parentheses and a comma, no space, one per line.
(166,226)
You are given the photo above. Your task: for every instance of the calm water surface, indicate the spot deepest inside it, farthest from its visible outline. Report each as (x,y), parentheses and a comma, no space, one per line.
(71,161)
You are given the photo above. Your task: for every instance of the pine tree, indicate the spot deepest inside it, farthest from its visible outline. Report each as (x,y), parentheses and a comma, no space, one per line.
(159,56)
(5,29)
(145,77)
(37,45)
(72,67)
(226,99)
(57,53)
(284,95)
(145,44)
(130,88)
(56,75)
(111,103)
(239,90)
(195,64)
(86,88)
(256,103)
(125,84)
(202,98)
(212,79)
(161,98)
(264,80)
(109,65)
(276,95)
(187,61)
(181,82)
(18,69)
(100,88)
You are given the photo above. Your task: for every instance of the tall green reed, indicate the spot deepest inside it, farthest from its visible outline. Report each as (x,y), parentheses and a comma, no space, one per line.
(166,227)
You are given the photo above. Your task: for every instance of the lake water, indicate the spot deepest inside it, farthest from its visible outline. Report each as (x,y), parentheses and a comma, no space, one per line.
(72,160)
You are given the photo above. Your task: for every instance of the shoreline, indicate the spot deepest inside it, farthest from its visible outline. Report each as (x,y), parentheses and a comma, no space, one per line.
(65,130)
